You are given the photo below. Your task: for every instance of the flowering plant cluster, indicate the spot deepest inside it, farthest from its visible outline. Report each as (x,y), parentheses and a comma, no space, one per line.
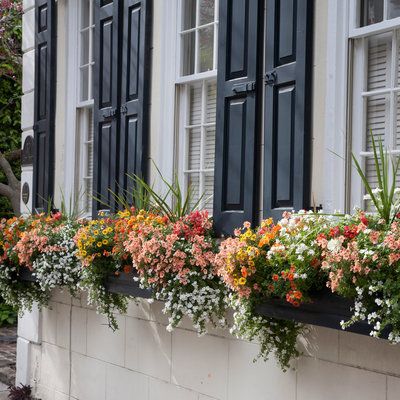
(176,260)
(44,245)
(279,260)
(361,255)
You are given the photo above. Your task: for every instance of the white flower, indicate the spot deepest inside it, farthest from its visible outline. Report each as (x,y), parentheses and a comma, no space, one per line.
(334,245)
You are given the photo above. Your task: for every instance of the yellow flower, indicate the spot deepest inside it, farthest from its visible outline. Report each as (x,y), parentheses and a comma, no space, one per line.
(235,282)
(242,281)
(96,231)
(105,241)
(83,253)
(99,244)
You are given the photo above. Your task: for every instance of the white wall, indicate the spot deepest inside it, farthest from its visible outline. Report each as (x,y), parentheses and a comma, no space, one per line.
(143,361)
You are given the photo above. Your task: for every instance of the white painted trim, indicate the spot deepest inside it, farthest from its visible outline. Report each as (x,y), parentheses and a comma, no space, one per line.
(71,96)
(336,92)
(169,56)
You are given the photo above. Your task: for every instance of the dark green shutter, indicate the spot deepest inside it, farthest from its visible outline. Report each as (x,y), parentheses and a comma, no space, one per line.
(44,103)
(238,88)
(287,115)
(121,95)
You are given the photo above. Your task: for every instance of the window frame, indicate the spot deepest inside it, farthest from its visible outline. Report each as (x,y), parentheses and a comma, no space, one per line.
(183,84)
(76,134)
(358,74)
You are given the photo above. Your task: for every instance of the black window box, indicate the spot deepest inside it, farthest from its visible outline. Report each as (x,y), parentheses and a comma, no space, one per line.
(120,284)
(326,309)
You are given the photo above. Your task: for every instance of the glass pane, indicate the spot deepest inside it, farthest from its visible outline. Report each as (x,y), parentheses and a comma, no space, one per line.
(211,103)
(393,9)
(206,49)
(84,84)
(379,61)
(84,47)
(209,148)
(208,192)
(194,148)
(397,127)
(193,187)
(206,11)
(377,119)
(195,105)
(85,10)
(189,14)
(371,12)
(188,46)
(372,178)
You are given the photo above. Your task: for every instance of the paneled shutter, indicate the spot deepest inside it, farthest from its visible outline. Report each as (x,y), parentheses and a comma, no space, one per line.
(287,115)
(135,91)
(44,113)
(121,95)
(106,102)
(236,161)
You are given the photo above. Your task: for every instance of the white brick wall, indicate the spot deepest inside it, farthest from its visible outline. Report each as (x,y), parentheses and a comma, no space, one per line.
(143,361)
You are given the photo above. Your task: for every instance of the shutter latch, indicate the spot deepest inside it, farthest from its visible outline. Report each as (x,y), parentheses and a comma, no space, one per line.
(270,78)
(244,87)
(110,113)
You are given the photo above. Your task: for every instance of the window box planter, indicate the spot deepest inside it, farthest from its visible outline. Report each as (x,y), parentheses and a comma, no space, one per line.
(124,284)
(120,284)
(326,309)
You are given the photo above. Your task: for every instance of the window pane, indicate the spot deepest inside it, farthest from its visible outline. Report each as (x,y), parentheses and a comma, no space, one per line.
(371,12)
(84,84)
(193,185)
(397,122)
(194,147)
(85,9)
(206,11)
(208,192)
(195,105)
(188,46)
(379,61)
(84,47)
(209,148)
(377,119)
(206,49)
(393,9)
(189,14)
(211,103)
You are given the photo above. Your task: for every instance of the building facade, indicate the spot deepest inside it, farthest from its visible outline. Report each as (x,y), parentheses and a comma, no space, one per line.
(257,107)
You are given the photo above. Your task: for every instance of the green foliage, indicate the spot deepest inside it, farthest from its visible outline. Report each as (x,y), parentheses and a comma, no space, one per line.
(8,316)
(10,87)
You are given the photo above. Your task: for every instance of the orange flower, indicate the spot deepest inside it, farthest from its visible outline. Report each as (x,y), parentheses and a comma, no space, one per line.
(244,272)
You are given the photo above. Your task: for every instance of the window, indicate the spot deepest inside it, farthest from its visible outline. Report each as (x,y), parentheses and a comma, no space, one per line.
(197,98)
(376,88)
(84,111)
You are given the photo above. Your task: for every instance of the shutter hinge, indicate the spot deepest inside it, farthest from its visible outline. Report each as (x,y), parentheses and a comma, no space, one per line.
(110,113)
(244,87)
(270,78)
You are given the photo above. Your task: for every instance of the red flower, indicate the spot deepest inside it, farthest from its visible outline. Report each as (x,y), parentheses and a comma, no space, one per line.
(275,277)
(334,231)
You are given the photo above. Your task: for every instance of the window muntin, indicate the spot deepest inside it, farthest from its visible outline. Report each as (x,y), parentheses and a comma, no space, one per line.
(199,27)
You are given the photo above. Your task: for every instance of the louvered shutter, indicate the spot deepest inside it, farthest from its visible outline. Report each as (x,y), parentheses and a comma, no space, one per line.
(287,115)
(236,164)
(44,113)
(135,91)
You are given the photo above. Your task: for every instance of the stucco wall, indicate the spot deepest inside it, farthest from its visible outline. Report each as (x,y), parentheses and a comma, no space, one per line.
(81,357)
